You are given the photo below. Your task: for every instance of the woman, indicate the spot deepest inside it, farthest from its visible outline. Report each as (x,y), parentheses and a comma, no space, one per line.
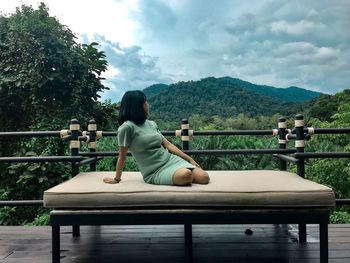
(159,161)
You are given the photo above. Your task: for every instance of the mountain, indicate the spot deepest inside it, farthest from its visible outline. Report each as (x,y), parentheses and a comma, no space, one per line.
(287,94)
(226,97)
(154,89)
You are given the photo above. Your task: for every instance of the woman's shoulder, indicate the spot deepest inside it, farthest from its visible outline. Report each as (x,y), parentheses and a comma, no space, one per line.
(127,125)
(152,123)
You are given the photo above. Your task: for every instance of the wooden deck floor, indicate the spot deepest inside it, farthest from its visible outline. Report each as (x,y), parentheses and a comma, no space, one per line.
(212,243)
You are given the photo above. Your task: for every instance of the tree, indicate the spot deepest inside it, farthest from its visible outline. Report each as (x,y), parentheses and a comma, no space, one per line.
(45,76)
(46,79)
(325,106)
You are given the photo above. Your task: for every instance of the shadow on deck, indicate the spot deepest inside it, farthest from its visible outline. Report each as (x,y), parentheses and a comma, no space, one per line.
(211,243)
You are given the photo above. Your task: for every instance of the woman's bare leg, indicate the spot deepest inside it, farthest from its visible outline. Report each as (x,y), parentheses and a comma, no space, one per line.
(200,176)
(182,177)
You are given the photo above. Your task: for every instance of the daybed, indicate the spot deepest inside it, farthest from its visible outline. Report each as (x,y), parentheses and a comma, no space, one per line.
(231,197)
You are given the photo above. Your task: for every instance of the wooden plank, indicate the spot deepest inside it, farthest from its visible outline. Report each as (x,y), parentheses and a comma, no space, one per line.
(212,243)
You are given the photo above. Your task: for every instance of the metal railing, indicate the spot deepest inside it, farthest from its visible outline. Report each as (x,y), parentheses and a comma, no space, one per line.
(299,133)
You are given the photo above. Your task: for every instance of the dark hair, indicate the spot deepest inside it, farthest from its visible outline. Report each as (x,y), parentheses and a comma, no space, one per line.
(131,107)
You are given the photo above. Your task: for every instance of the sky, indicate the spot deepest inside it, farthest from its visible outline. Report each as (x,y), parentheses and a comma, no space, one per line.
(280,43)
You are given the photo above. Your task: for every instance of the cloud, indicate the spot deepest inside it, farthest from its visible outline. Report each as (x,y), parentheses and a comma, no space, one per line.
(129,69)
(301,27)
(307,47)
(272,42)
(280,43)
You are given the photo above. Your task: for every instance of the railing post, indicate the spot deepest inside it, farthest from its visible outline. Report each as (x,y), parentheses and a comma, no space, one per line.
(92,128)
(282,127)
(74,146)
(185,138)
(300,145)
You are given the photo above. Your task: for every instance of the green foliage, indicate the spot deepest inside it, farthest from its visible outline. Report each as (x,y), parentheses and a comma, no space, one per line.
(340,217)
(325,106)
(7,214)
(287,94)
(42,218)
(334,173)
(34,178)
(235,162)
(154,89)
(46,79)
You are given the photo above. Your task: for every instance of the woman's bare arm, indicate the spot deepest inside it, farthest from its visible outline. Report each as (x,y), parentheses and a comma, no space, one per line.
(173,149)
(119,166)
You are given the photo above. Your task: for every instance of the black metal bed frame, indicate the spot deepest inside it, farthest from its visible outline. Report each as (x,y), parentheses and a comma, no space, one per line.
(187,217)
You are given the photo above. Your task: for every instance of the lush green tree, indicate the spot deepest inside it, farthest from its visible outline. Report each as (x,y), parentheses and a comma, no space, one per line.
(325,106)
(45,76)
(333,172)
(46,79)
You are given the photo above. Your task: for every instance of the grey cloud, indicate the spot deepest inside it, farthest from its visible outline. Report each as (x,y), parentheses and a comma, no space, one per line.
(293,43)
(321,22)
(158,18)
(273,42)
(134,69)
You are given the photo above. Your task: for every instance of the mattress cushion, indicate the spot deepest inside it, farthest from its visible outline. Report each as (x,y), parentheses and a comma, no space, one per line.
(253,188)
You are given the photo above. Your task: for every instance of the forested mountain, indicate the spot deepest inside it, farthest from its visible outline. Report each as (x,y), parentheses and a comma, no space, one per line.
(325,106)
(287,94)
(226,97)
(154,89)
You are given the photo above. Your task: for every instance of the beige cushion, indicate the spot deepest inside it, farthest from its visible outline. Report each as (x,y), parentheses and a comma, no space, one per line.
(226,188)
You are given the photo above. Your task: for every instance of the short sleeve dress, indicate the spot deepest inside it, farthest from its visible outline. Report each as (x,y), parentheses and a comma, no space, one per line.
(156,164)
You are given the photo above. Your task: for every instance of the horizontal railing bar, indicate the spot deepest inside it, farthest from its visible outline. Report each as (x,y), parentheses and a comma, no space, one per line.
(322,155)
(234,132)
(102,153)
(30,134)
(342,201)
(240,151)
(38,159)
(200,152)
(331,130)
(200,133)
(21,202)
(172,133)
(107,134)
(287,158)
(246,132)
(89,160)
(203,152)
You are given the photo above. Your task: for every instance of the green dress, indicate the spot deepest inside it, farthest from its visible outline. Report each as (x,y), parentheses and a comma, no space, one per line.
(156,164)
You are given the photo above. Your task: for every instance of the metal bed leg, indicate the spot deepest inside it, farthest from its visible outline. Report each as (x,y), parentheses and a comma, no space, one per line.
(55,244)
(76,230)
(302,233)
(188,242)
(323,243)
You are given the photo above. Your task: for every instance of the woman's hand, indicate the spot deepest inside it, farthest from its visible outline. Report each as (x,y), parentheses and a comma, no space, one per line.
(111,180)
(195,163)
(119,167)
